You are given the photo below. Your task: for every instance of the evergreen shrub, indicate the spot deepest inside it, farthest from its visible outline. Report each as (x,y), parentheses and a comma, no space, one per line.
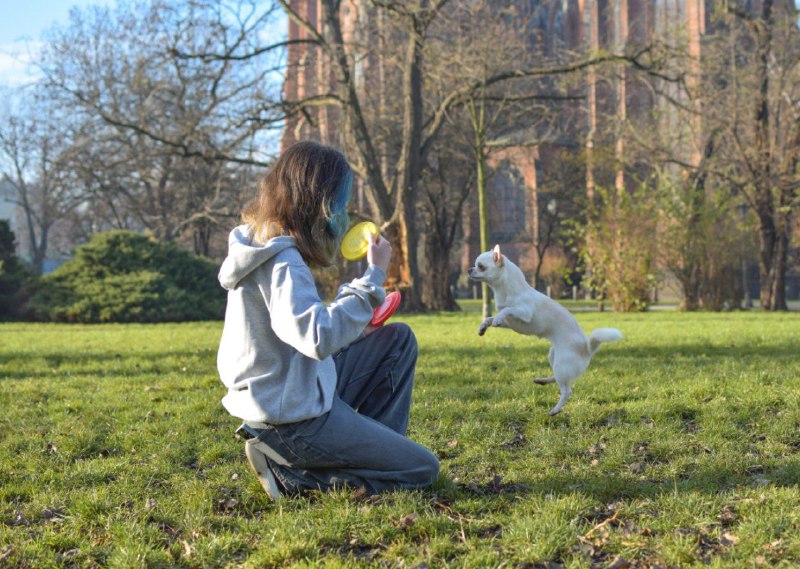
(122,276)
(13,275)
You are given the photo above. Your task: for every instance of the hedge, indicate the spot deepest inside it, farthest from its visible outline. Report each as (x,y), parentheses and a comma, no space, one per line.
(122,276)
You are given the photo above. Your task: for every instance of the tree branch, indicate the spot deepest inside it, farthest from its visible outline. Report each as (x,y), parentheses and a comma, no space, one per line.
(298,19)
(462,95)
(174,52)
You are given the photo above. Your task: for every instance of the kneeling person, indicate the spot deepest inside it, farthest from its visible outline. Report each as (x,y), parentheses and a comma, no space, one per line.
(325,398)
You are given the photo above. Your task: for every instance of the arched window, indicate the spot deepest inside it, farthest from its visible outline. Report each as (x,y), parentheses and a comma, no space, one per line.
(506,199)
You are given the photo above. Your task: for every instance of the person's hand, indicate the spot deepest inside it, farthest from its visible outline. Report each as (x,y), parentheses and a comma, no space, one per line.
(379,253)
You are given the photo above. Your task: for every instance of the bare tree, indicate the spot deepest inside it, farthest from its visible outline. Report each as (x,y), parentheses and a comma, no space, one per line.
(737,128)
(167,91)
(561,205)
(446,184)
(393,191)
(34,151)
(163,118)
(764,128)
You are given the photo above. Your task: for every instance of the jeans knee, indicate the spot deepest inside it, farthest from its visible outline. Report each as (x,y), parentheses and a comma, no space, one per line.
(432,470)
(426,469)
(405,337)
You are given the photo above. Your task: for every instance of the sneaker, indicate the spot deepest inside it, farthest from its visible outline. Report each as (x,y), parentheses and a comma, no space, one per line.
(258,461)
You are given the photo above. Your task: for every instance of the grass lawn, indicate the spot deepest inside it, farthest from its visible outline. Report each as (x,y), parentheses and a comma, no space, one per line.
(680,446)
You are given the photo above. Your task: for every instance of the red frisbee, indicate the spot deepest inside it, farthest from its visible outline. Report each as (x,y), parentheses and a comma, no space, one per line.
(385,310)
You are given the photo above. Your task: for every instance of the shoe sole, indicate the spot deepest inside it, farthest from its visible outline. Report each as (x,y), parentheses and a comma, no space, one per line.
(258,462)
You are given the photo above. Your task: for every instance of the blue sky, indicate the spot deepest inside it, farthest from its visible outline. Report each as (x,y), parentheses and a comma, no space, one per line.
(21,24)
(28,19)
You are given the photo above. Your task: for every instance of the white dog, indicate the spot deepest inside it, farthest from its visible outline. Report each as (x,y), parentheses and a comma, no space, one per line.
(527,311)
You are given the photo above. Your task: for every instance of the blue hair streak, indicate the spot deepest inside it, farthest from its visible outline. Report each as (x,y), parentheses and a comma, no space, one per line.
(339,220)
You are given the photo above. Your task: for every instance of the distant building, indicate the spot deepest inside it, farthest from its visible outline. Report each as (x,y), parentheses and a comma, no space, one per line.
(519,175)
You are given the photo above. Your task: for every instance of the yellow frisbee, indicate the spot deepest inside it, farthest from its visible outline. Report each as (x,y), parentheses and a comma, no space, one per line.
(356,241)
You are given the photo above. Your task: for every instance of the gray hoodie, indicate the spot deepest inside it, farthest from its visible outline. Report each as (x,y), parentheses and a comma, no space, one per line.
(275,355)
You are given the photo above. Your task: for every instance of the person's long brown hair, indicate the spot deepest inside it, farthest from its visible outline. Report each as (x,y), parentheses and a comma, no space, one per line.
(299,196)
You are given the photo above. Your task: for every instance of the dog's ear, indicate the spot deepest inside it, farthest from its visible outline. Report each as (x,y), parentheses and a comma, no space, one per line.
(497,256)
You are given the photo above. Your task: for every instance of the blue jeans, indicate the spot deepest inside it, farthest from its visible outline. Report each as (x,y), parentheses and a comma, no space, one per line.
(361,441)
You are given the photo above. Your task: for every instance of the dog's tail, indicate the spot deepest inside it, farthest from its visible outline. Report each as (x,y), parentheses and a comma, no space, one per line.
(603,336)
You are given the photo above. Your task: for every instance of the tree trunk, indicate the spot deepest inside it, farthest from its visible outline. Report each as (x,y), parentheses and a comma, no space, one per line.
(404,270)
(696,278)
(439,295)
(690,284)
(201,236)
(778,284)
(410,163)
(38,245)
(773,244)
(486,305)
(591,24)
(772,262)
(478,118)
(766,260)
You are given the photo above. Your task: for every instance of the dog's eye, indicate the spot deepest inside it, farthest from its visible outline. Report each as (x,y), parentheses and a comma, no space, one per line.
(481,267)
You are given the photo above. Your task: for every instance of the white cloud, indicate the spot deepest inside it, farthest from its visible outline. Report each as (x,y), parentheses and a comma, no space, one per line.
(15,63)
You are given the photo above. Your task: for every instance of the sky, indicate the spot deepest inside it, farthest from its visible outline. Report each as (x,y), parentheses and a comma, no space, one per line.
(21,25)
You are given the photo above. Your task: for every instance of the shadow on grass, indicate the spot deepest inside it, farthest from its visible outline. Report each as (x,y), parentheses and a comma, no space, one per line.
(105,364)
(605,487)
(146,362)
(687,350)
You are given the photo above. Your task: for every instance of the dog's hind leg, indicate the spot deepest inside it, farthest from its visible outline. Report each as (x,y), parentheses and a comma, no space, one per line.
(566,391)
(551,356)
(568,367)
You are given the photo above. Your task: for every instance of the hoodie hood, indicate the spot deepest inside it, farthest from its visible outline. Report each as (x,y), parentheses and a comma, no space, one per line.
(244,256)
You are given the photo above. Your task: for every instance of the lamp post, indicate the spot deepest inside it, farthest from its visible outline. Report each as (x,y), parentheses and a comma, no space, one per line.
(552,209)
(748,301)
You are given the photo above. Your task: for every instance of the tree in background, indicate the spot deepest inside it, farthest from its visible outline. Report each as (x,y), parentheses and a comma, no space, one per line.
(13,276)
(446,184)
(561,206)
(381,91)
(760,114)
(35,148)
(702,242)
(489,120)
(166,139)
(622,273)
(159,113)
(737,116)
(391,170)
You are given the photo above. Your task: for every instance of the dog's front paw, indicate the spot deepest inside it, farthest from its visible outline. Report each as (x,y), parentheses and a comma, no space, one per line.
(484,325)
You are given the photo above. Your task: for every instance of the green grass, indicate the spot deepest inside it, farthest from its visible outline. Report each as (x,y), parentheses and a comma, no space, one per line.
(680,446)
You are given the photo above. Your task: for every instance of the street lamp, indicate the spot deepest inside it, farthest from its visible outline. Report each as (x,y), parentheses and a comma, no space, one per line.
(748,302)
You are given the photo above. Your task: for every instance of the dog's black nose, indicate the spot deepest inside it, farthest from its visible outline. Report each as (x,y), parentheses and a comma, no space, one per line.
(469,271)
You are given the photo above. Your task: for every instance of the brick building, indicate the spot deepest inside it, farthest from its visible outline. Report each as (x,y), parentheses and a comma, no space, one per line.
(518,175)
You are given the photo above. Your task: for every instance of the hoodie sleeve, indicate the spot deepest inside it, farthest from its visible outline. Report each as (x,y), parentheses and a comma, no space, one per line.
(300,319)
